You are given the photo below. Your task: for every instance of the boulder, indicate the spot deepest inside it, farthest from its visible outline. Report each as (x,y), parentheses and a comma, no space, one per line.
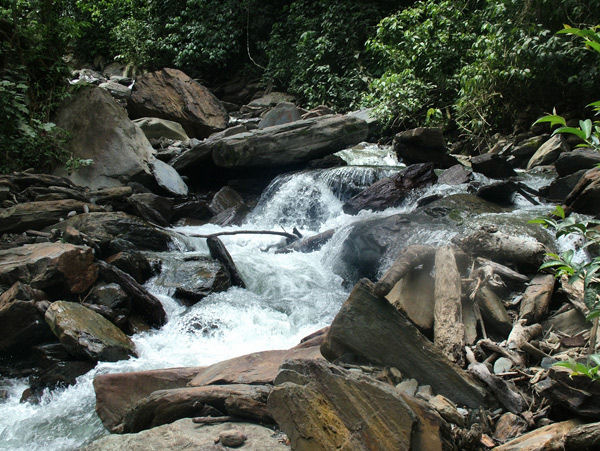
(423,145)
(492,165)
(168,179)
(116,393)
(109,295)
(569,162)
(501,193)
(583,438)
(455,175)
(37,215)
(392,191)
(154,127)
(101,131)
(49,265)
(132,263)
(585,196)
(369,328)
(271,100)
(111,231)
(559,189)
(170,94)
(282,113)
(281,145)
(320,407)
(522,152)
(546,438)
(153,208)
(22,326)
(184,435)
(86,334)
(166,406)
(549,151)
(117,90)
(224,199)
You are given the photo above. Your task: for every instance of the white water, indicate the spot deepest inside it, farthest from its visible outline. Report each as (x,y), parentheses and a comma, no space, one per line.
(288,297)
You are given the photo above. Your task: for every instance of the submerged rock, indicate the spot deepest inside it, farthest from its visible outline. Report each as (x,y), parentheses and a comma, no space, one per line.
(86,334)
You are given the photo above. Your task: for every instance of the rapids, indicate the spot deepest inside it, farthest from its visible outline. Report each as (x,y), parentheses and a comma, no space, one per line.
(288,297)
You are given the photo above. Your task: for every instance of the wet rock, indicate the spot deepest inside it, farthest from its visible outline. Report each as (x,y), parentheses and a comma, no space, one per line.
(37,215)
(167,179)
(455,175)
(21,292)
(522,152)
(133,263)
(110,295)
(392,191)
(549,151)
(117,393)
(185,435)
(101,131)
(585,197)
(193,209)
(22,326)
(501,193)
(49,265)
(329,161)
(423,145)
(224,199)
(546,438)
(282,145)
(369,328)
(105,228)
(154,127)
(60,374)
(559,189)
(170,94)
(492,165)
(282,113)
(356,410)
(576,160)
(166,406)
(86,334)
(153,208)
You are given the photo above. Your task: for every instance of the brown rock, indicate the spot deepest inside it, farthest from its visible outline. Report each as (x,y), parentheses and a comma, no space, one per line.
(45,265)
(583,438)
(368,327)
(232,438)
(321,407)
(585,197)
(509,426)
(547,438)
(536,298)
(413,295)
(170,94)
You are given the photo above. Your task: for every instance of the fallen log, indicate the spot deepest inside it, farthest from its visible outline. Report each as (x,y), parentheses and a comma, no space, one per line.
(522,334)
(502,271)
(536,298)
(506,395)
(144,303)
(448,329)
(219,252)
(217,420)
(290,236)
(408,258)
(493,311)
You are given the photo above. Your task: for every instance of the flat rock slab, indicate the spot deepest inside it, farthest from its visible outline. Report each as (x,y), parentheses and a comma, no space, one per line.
(546,438)
(281,145)
(117,393)
(322,407)
(185,435)
(87,334)
(166,406)
(370,328)
(154,127)
(168,179)
(37,215)
(45,265)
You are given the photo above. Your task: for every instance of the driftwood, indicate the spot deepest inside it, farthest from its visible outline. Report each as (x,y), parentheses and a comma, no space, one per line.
(290,236)
(448,330)
(537,297)
(216,420)
(492,346)
(408,258)
(493,311)
(144,303)
(521,334)
(508,396)
(502,271)
(219,252)
(414,295)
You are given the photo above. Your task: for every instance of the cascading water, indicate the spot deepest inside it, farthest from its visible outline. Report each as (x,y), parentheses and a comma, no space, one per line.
(288,297)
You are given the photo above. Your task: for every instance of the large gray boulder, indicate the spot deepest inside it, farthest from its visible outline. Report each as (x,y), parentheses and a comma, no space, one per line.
(170,94)
(154,127)
(86,334)
(549,151)
(279,146)
(283,113)
(101,131)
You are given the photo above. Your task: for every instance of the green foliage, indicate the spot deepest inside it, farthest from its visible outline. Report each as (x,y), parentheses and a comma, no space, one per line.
(590,369)
(588,131)
(317,50)
(32,82)
(489,65)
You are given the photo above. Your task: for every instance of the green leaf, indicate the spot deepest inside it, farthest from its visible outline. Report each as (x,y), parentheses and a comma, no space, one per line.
(571,130)
(554,119)
(586,127)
